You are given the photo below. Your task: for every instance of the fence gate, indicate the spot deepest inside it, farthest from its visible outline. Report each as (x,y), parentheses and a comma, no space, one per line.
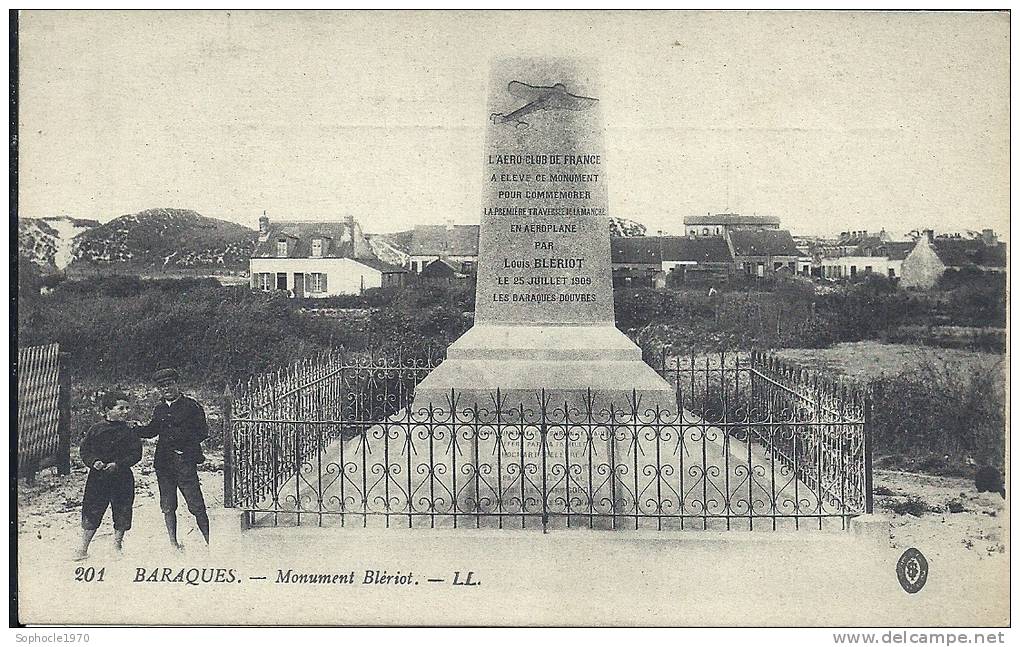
(44,411)
(754,444)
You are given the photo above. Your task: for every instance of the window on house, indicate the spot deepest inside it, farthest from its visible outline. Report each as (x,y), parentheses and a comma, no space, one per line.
(467,267)
(718,230)
(263,281)
(317,247)
(281,280)
(867,269)
(281,248)
(704,231)
(892,273)
(853,270)
(317,282)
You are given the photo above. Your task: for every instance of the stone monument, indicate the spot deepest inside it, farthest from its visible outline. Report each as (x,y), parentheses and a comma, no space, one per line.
(544,315)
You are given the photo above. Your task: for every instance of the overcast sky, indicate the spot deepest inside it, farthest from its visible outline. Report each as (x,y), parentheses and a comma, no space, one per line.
(829,121)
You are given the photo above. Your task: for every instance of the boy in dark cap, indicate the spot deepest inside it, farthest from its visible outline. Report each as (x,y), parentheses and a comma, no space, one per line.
(179,421)
(109,449)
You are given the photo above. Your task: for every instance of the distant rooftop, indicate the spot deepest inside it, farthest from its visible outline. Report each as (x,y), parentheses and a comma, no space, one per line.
(763,243)
(637,249)
(958,252)
(699,250)
(443,240)
(898,250)
(340,239)
(730,219)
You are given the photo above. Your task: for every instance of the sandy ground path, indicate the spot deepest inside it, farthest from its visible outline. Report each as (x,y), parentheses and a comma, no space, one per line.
(564,577)
(568,577)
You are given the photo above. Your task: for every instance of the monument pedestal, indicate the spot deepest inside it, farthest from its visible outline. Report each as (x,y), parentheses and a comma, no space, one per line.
(565,360)
(544,315)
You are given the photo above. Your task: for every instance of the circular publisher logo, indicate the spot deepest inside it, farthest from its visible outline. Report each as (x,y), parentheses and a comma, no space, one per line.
(912,570)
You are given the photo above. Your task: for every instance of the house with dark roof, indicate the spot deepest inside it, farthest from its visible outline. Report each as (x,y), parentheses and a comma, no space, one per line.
(456,244)
(442,271)
(720,224)
(764,252)
(931,257)
(669,260)
(688,259)
(318,259)
(636,260)
(849,242)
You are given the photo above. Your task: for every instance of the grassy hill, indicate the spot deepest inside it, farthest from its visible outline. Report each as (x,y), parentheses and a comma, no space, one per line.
(165,239)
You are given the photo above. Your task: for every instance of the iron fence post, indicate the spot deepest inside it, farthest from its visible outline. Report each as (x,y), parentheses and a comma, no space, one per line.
(869,496)
(64,418)
(226,404)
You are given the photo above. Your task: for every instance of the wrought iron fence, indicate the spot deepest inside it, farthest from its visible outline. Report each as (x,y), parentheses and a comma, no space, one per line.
(43,411)
(754,443)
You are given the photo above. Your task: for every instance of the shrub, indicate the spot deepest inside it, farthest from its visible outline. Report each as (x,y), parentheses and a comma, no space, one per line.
(30,279)
(914,506)
(127,285)
(119,328)
(989,479)
(955,506)
(940,417)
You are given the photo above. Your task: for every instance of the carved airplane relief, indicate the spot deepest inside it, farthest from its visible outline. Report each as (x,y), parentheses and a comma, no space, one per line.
(540,98)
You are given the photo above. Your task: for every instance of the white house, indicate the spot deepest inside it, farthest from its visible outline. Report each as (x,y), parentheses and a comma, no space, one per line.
(318,259)
(885,258)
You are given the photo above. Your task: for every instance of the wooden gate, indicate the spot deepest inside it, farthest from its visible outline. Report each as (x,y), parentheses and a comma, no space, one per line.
(44,411)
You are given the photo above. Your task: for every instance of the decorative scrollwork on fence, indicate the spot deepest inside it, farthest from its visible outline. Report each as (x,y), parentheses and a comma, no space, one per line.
(755,444)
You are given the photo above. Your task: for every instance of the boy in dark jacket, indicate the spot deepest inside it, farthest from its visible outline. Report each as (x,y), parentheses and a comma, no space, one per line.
(109,449)
(180,423)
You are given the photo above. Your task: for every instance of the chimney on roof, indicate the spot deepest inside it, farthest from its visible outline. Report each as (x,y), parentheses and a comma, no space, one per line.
(263,227)
(989,237)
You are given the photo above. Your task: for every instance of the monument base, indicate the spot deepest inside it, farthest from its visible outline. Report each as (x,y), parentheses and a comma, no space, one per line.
(565,361)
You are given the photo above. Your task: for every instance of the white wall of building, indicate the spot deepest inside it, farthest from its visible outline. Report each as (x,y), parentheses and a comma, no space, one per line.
(668,266)
(721,229)
(419,262)
(343,275)
(704,230)
(923,266)
(847,266)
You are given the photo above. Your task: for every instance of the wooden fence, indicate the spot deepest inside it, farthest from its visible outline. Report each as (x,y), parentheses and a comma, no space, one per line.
(44,411)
